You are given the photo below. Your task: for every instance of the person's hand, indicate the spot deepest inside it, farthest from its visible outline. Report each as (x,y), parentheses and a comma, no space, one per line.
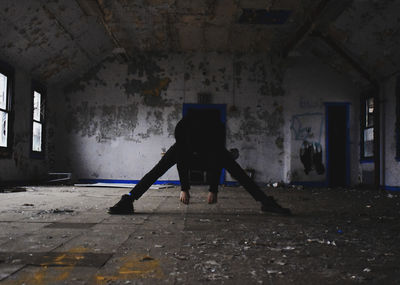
(184,197)
(212,198)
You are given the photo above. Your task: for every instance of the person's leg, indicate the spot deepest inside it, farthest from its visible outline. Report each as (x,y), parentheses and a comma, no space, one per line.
(268,203)
(240,175)
(166,162)
(125,205)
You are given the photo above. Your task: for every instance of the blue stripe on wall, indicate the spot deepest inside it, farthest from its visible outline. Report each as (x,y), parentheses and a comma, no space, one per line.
(158,182)
(89,181)
(391,188)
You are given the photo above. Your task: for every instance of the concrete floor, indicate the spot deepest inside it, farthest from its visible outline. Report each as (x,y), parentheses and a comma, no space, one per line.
(63,235)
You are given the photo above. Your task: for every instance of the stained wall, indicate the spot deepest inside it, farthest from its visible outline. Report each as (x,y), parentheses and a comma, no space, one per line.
(116,122)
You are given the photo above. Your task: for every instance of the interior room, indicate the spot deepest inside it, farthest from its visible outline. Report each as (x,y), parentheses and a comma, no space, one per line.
(308,93)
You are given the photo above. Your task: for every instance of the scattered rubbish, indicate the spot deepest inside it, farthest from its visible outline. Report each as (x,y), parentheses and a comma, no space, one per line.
(368,206)
(270,271)
(282,248)
(367,269)
(211,270)
(146,258)
(339,231)
(139,237)
(180,257)
(12,190)
(158,246)
(390,195)
(280,263)
(322,241)
(56,211)
(205,220)
(28,205)
(275,184)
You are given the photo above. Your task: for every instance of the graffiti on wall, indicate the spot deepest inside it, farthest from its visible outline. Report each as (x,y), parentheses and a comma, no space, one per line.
(308,127)
(311,157)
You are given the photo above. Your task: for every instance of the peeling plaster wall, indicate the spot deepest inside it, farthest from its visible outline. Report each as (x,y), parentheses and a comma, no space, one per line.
(116,121)
(20,167)
(308,85)
(391,165)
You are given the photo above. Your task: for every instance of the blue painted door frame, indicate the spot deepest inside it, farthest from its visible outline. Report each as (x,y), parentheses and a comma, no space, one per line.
(222,111)
(347,106)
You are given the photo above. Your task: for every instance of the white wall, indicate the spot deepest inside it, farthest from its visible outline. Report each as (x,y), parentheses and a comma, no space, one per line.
(391,165)
(115,122)
(308,85)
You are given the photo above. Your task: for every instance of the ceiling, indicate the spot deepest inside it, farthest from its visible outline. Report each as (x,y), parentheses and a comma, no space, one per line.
(59,40)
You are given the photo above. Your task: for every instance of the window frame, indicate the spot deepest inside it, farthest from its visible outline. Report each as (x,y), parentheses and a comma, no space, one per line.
(40,88)
(397,124)
(8,71)
(364,126)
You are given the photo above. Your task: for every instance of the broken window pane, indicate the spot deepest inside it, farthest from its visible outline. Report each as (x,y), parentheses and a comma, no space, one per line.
(36,106)
(3,128)
(37,137)
(369,142)
(3,91)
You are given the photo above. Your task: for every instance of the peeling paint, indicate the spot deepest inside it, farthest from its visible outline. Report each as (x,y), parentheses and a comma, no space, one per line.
(105,122)
(149,82)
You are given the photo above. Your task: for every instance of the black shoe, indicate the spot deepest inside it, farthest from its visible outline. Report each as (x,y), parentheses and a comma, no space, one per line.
(270,205)
(123,207)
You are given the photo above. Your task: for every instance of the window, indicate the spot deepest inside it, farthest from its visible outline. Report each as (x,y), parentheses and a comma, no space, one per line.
(6,80)
(367,128)
(38,119)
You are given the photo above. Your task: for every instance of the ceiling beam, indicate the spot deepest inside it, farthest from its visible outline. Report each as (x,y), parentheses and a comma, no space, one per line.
(341,51)
(325,13)
(96,8)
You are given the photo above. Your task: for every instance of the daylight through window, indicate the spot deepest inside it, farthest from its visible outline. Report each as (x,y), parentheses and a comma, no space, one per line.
(38,116)
(4,110)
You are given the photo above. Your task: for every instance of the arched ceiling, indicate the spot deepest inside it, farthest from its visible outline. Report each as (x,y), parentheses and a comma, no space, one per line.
(59,40)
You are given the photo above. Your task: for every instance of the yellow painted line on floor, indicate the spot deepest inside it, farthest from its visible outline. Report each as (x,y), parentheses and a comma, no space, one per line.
(47,274)
(134,267)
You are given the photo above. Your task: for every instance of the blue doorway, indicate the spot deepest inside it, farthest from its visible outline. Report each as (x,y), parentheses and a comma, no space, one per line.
(337,144)
(221,108)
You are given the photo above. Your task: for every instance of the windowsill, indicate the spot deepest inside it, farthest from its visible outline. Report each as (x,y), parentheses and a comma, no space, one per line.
(37,155)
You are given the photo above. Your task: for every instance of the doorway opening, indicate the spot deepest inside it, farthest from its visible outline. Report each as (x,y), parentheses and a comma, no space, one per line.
(337,144)
(198,176)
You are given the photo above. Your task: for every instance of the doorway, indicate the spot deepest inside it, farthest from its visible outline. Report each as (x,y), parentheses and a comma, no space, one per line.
(337,144)
(199,176)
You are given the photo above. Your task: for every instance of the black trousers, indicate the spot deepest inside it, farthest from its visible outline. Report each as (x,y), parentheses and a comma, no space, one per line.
(223,159)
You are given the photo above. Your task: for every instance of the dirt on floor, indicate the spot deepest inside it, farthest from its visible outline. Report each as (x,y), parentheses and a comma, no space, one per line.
(63,235)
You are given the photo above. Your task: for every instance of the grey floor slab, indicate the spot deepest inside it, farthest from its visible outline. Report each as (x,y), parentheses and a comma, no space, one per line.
(63,235)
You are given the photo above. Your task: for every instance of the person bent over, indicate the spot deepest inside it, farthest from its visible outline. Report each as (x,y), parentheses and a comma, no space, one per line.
(200,144)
